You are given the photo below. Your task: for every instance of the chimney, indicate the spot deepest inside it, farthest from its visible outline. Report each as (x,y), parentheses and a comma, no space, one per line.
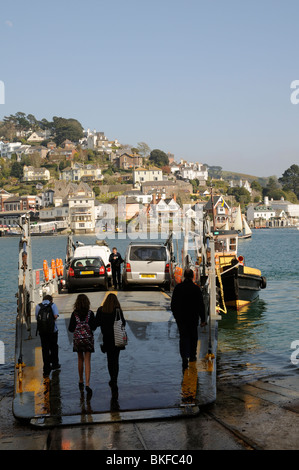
(174,196)
(154,198)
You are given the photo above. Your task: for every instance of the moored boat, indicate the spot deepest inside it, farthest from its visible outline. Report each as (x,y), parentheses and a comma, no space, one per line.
(240,224)
(241,284)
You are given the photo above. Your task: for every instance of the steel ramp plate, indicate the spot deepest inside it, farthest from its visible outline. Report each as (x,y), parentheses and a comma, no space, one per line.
(113,417)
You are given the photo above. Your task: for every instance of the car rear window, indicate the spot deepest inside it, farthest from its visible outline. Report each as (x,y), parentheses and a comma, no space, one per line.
(147,253)
(79,263)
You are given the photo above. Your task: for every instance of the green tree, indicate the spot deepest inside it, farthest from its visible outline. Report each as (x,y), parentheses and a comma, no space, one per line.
(66,129)
(290,179)
(16,170)
(256,186)
(241,195)
(158,158)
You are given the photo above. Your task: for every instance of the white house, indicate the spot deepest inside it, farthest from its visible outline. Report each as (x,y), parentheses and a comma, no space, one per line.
(165,209)
(142,175)
(260,211)
(35,174)
(81,209)
(78,172)
(39,136)
(47,198)
(8,148)
(194,171)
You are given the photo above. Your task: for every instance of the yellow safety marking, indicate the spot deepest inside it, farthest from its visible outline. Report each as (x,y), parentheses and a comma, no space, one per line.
(166,295)
(237,303)
(189,384)
(33,381)
(248,270)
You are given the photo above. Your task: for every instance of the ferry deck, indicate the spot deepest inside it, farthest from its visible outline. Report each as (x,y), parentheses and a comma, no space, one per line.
(152,383)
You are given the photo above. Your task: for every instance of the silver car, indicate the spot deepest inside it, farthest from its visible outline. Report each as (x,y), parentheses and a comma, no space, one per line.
(147,264)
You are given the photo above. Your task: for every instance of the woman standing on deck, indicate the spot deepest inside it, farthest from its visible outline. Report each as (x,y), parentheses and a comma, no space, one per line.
(105,319)
(82,324)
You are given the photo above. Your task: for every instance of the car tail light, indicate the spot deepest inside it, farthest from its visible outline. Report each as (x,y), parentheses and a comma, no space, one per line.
(167,268)
(108,268)
(71,272)
(102,270)
(128,268)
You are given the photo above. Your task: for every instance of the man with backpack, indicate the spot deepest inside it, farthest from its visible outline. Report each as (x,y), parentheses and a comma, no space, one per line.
(46,314)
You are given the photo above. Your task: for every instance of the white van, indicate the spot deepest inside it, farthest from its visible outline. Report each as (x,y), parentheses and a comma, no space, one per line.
(103,251)
(147,264)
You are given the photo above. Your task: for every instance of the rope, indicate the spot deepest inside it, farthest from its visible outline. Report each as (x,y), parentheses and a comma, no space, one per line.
(219,274)
(221,291)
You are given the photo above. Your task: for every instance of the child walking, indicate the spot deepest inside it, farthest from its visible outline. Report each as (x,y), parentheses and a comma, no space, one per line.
(83,324)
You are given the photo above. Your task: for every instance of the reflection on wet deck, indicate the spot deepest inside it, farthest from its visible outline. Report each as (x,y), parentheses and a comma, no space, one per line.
(151,381)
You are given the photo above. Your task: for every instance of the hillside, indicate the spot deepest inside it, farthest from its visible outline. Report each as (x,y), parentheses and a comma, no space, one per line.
(230,175)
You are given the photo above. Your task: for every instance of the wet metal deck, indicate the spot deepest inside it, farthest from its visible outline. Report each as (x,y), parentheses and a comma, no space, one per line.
(151,381)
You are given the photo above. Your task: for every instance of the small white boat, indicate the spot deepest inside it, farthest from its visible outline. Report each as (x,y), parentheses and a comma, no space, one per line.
(240,224)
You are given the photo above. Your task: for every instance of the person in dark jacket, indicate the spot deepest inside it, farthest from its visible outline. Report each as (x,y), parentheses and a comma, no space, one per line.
(115,260)
(83,324)
(105,319)
(49,342)
(188,307)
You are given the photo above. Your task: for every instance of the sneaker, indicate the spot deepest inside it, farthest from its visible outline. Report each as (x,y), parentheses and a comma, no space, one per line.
(81,386)
(88,391)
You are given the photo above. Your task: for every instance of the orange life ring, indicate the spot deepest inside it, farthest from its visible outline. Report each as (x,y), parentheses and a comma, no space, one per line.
(53,267)
(61,266)
(178,274)
(46,270)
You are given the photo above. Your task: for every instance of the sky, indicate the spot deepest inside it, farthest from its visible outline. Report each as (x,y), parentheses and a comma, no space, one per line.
(207,80)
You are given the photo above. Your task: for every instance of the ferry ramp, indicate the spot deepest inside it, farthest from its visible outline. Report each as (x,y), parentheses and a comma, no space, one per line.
(151,382)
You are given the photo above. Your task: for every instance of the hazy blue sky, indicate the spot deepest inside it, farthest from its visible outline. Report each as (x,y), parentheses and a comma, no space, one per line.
(206,80)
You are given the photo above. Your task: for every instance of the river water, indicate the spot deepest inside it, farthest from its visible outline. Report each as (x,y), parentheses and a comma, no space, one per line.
(257,342)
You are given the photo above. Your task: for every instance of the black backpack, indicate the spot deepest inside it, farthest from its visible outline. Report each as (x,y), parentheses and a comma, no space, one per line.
(45,319)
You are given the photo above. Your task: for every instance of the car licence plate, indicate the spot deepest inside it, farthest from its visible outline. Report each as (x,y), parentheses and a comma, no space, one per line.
(86,272)
(148,275)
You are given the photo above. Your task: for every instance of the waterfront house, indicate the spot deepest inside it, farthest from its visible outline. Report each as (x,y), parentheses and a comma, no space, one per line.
(19,203)
(4,195)
(47,198)
(218,209)
(273,213)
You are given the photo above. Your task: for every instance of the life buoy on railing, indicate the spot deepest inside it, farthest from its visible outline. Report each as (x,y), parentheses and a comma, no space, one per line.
(178,274)
(46,270)
(61,266)
(57,267)
(241,260)
(53,267)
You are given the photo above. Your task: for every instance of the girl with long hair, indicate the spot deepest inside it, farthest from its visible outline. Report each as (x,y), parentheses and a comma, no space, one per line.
(105,318)
(83,324)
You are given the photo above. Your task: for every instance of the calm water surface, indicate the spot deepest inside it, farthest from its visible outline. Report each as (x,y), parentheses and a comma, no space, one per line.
(253,343)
